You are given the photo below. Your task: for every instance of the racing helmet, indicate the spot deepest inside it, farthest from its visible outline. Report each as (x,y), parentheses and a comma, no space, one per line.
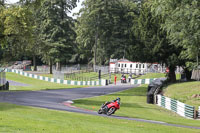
(118,99)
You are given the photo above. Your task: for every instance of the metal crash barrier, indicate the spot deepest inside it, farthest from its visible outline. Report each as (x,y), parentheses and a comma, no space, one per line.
(176,106)
(4,85)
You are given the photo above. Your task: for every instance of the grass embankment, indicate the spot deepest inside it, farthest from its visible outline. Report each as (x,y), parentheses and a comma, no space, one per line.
(134,105)
(156,75)
(184,92)
(34,84)
(152,75)
(21,119)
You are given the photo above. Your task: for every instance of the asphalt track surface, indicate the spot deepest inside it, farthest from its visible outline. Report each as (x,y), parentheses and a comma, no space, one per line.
(57,100)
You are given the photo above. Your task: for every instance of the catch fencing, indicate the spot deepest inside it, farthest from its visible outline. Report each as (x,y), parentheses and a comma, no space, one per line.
(102,82)
(71,69)
(176,106)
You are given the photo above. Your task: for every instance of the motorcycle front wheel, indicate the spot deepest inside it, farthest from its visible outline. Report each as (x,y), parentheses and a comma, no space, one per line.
(111,111)
(100,111)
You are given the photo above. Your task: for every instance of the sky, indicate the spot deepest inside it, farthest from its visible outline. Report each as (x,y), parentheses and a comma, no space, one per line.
(75,10)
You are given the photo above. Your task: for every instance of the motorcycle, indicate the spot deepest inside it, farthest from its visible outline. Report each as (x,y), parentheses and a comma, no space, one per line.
(123,79)
(109,108)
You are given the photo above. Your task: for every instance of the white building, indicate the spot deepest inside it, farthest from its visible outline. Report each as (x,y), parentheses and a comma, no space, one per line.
(126,66)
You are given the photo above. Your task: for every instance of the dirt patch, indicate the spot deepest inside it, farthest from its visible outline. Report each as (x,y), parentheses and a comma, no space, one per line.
(196,96)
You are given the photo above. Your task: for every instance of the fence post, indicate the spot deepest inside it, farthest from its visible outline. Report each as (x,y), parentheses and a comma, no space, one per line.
(195,113)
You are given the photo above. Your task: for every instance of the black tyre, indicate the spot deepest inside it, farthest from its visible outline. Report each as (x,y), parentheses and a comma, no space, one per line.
(110,111)
(100,111)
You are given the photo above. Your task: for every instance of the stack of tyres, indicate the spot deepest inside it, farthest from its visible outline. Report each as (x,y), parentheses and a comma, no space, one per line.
(152,88)
(150,94)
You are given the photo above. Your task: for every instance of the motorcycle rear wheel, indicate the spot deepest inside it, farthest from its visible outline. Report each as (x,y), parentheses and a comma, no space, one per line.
(111,111)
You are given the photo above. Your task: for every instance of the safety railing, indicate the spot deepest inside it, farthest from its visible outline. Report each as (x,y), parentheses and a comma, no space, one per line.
(3,82)
(176,106)
(142,81)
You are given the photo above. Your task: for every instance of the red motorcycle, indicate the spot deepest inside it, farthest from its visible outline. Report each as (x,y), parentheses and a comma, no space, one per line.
(110,107)
(123,79)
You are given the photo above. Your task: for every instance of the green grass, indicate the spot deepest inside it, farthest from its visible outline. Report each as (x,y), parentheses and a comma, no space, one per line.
(152,75)
(35,84)
(46,75)
(134,105)
(157,75)
(21,119)
(184,91)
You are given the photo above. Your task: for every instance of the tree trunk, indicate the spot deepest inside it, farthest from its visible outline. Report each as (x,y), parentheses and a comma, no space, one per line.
(58,66)
(95,51)
(188,74)
(96,42)
(171,77)
(34,63)
(51,66)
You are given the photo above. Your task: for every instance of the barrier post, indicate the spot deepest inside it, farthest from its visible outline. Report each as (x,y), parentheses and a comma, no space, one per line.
(195,113)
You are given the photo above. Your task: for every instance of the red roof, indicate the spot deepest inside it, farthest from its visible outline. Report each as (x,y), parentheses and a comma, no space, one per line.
(112,63)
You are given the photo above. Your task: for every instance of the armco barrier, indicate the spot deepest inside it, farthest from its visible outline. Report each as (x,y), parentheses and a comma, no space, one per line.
(142,81)
(67,82)
(176,106)
(4,85)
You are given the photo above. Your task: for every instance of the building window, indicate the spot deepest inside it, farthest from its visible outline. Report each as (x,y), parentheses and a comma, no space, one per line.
(139,65)
(125,65)
(143,65)
(122,65)
(119,65)
(136,65)
(130,65)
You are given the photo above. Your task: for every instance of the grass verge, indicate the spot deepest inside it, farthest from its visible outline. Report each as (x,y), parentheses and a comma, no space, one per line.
(184,92)
(21,119)
(152,75)
(134,105)
(157,75)
(35,84)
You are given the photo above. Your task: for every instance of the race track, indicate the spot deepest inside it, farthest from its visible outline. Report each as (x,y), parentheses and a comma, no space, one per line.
(53,99)
(56,99)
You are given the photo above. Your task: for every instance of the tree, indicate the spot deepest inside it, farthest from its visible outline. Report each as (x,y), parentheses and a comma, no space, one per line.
(16,31)
(182,26)
(103,30)
(34,46)
(152,42)
(56,31)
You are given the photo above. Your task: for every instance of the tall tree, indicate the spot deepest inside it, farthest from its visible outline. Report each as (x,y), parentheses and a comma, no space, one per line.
(182,25)
(16,30)
(103,30)
(34,46)
(56,31)
(153,44)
